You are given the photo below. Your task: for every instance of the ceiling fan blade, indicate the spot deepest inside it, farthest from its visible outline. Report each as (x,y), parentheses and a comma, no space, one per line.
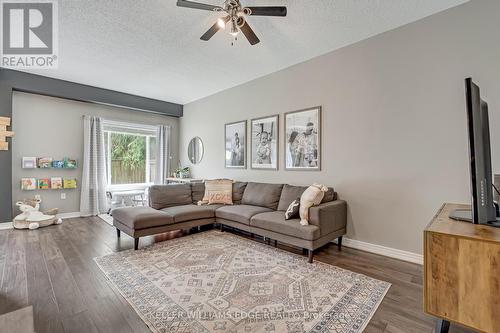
(249,34)
(213,29)
(268,11)
(197,5)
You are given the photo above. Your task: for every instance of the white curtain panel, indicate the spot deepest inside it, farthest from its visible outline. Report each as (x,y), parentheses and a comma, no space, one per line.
(162,154)
(93,196)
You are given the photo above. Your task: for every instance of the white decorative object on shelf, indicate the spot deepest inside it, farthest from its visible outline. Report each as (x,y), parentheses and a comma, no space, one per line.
(29,162)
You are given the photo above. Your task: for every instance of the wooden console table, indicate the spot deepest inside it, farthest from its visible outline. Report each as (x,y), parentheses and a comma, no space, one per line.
(462,272)
(173,180)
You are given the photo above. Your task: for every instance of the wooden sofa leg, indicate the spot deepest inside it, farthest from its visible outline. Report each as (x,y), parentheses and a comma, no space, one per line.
(339,243)
(311,254)
(136,243)
(275,243)
(118,233)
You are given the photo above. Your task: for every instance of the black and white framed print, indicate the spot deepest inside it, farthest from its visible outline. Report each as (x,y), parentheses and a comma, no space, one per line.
(264,153)
(303,139)
(235,145)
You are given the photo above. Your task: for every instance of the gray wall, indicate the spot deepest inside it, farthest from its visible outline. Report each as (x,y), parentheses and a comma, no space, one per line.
(11,80)
(53,127)
(394,124)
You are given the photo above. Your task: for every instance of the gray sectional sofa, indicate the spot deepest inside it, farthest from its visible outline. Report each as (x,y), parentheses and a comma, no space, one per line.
(258,208)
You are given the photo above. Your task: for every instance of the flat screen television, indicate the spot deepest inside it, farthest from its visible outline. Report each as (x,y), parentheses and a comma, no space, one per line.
(484,210)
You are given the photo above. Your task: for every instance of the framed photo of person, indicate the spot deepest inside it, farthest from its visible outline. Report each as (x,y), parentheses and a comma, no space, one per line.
(264,153)
(235,135)
(303,140)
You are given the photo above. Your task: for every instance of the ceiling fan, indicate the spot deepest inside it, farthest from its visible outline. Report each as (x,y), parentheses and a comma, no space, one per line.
(235,16)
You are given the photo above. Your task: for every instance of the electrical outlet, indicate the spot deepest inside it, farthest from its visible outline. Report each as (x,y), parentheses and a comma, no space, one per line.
(38,197)
(63,196)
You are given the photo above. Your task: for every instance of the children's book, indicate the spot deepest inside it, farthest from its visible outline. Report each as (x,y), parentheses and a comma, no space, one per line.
(69,163)
(58,164)
(43,184)
(28,184)
(56,183)
(69,183)
(45,162)
(29,162)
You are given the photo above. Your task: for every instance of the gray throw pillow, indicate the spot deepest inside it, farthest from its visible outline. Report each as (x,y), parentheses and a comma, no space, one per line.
(293,210)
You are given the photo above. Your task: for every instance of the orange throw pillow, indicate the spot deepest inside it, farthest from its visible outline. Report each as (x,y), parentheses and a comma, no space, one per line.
(219,191)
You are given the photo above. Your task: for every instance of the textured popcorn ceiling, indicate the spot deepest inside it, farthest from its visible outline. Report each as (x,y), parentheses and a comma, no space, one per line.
(152,48)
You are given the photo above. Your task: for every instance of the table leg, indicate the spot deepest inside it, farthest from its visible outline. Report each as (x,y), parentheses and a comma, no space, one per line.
(442,326)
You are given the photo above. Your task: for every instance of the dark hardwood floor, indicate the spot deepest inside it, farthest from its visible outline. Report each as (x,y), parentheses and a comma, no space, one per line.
(53,270)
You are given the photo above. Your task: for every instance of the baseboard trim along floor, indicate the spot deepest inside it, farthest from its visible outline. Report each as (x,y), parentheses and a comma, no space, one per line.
(8,225)
(69,215)
(384,251)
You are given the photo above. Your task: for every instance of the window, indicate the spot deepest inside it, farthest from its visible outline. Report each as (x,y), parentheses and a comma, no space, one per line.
(130,154)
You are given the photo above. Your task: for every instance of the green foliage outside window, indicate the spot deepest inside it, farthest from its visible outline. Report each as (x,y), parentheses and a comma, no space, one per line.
(129,149)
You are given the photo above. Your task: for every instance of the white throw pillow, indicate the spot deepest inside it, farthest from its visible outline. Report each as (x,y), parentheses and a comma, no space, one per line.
(312,196)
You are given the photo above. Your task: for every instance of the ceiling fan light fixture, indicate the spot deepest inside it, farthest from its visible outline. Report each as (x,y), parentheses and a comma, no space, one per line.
(235,16)
(234,29)
(221,23)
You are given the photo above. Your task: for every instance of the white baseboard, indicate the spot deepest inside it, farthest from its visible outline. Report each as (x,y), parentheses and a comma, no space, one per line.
(8,225)
(68,215)
(384,251)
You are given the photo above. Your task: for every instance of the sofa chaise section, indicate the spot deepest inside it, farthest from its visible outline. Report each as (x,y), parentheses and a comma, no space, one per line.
(140,221)
(170,208)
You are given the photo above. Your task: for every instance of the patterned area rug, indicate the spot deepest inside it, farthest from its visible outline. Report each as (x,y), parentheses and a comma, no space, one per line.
(219,282)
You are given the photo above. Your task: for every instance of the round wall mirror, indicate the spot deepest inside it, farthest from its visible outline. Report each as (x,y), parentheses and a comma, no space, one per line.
(195,150)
